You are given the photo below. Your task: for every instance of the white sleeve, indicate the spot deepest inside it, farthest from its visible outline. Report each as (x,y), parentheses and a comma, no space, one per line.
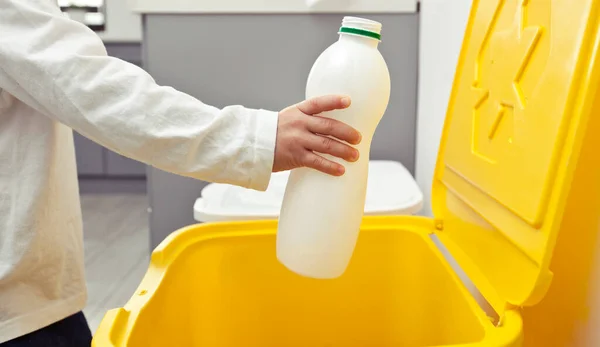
(60,68)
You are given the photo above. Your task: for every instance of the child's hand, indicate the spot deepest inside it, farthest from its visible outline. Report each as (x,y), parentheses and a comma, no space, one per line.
(301,133)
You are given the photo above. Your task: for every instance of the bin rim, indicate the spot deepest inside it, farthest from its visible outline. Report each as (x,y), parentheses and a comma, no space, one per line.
(118,323)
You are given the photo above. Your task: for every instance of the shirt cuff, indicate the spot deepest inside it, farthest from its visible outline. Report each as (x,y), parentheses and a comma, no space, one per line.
(265,136)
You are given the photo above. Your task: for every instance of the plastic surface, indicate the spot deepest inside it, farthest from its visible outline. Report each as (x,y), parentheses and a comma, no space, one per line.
(321,214)
(523,94)
(391,190)
(221,285)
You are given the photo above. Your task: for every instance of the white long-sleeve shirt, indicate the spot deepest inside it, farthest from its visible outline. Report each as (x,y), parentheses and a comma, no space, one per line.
(55,76)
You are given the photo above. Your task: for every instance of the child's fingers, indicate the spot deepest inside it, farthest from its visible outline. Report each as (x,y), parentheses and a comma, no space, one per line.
(335,128)
(327,145)
(319,163)
(323,104)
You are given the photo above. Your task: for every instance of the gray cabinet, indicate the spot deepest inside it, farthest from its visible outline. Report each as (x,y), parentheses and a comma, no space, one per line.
(89,155)
(118,165)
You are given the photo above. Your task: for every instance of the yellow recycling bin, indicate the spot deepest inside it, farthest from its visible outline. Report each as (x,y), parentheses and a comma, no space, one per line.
(518,149)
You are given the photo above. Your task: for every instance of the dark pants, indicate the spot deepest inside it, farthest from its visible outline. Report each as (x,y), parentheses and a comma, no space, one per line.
(70,332)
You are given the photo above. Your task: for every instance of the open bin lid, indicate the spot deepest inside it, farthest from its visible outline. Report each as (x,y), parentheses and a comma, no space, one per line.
(512,137)
(391,190)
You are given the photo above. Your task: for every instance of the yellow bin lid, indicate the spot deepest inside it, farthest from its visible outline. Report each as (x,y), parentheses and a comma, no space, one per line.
(514,129)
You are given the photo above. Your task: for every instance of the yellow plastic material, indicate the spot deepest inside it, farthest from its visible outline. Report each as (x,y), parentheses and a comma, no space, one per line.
(221,285)
(524,91)
(518,151)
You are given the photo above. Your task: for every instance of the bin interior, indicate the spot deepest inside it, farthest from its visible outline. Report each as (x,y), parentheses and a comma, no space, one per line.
(232,291)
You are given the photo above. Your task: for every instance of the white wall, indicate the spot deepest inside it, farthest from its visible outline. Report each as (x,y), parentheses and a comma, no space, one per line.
(442,25)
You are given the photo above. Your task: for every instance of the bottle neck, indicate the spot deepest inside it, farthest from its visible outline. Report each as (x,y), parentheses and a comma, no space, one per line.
(363,40)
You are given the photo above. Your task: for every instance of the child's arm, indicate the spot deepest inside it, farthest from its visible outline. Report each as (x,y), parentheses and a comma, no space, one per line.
(60,68)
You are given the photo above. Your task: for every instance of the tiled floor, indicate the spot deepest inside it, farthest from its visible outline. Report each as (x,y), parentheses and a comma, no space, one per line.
(117,252)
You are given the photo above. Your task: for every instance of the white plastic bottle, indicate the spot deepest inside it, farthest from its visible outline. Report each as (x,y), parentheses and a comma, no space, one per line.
(321,215)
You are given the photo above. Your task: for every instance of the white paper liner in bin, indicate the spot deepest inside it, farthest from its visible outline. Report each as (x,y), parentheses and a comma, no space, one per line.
(391,190)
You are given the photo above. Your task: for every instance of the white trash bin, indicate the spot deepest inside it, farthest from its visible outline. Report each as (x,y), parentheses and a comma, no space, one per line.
(391,190)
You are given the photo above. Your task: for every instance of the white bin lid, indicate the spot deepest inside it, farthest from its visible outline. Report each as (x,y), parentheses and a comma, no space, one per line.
(391,190)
